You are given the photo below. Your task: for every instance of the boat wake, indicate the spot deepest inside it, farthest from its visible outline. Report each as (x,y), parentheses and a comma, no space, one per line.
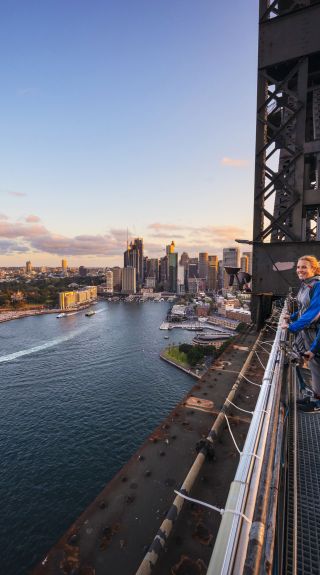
(35,349)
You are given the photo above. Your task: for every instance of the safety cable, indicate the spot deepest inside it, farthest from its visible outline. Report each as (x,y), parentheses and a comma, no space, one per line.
(220,510)
(264,367)
(236,445)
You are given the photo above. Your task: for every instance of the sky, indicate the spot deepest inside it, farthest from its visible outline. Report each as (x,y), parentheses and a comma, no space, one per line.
(125,116)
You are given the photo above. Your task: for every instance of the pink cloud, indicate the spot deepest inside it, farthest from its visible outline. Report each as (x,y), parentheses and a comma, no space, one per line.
(3,217)
(234,162)
(17,194)
(32,219)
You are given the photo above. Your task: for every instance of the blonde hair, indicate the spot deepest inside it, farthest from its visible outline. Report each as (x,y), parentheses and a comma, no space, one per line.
(313,262)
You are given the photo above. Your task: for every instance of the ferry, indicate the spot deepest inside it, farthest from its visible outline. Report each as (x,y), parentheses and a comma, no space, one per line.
(61,315)
(90,313)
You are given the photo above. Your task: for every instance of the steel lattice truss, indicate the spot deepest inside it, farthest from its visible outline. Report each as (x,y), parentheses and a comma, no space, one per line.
(287,194)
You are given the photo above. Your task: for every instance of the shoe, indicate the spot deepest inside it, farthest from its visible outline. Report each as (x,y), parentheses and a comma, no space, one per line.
(311,407)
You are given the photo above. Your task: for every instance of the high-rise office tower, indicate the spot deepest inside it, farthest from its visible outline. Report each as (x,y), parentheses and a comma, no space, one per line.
(244,263)
(193,268)
(28,267)
(249,256)
(153,268)
(133,257)
(170,248)
(129,280)
(173,271)
(212,273)
(117,278)
(64,265)
(203,265)
(163,271)
(184,260)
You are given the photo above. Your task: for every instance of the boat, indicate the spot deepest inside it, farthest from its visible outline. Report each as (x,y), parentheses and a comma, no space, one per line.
(90,313)
(61,315)
(166,337)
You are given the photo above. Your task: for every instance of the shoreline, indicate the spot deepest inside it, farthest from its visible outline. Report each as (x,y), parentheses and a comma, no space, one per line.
(10,315)
(186,370)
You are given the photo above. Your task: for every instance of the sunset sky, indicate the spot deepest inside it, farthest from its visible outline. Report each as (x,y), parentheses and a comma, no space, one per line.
(125,114)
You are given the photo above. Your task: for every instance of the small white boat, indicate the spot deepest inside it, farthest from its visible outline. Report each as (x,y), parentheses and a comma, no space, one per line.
(90,313)
(61,315)
(166,337)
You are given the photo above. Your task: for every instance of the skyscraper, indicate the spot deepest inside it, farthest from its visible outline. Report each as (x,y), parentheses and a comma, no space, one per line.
(249,256)
(133,257)
(129,280)
(28,267)
(173,271)
(117,278)
(212,273)
(203,265)
(64,265)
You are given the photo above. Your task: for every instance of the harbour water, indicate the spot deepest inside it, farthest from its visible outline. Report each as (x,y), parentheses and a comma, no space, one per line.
(78,395)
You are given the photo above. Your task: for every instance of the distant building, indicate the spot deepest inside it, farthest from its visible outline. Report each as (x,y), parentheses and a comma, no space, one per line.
(150,283)
(212,282)
(173,271)
(181,279)
(83,271)
(28,267)
(244,263)
(64,265)
(109,281)
(129,285)
(249,256)
(203,265)
(133,258)
(184,260)
(231,258)
(152,268)
(193,268)
(72,299)
(170,248)
(117,278)
(163,271)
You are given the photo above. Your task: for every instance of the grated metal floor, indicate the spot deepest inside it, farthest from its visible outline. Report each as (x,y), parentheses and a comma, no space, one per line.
(308,485)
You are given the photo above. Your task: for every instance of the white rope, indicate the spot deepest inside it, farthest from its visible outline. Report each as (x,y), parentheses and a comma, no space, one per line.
(249,381)
(235,443)
(264,349)
(264,367)
(237,407)
(220,510)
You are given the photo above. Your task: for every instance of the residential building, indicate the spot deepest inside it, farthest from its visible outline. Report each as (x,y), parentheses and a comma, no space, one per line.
(72,299)
(109,281)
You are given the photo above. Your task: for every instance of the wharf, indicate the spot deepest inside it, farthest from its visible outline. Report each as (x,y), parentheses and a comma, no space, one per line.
(114,533)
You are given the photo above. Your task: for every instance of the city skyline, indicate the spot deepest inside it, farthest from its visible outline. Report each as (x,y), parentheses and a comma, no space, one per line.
(130,120)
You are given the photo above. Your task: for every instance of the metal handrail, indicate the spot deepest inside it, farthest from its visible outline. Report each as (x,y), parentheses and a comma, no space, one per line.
(231,545)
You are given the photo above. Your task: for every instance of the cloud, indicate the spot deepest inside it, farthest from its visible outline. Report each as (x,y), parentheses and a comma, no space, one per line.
(32,219)
(16,194)
(36,237)
(3,217)
(234,162)
(8,247)
(165,236)
(169,227)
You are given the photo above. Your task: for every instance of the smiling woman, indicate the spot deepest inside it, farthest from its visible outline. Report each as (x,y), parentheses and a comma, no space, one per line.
(305,323)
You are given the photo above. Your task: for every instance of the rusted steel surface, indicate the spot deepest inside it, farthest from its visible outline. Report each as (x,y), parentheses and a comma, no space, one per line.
(116,530)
